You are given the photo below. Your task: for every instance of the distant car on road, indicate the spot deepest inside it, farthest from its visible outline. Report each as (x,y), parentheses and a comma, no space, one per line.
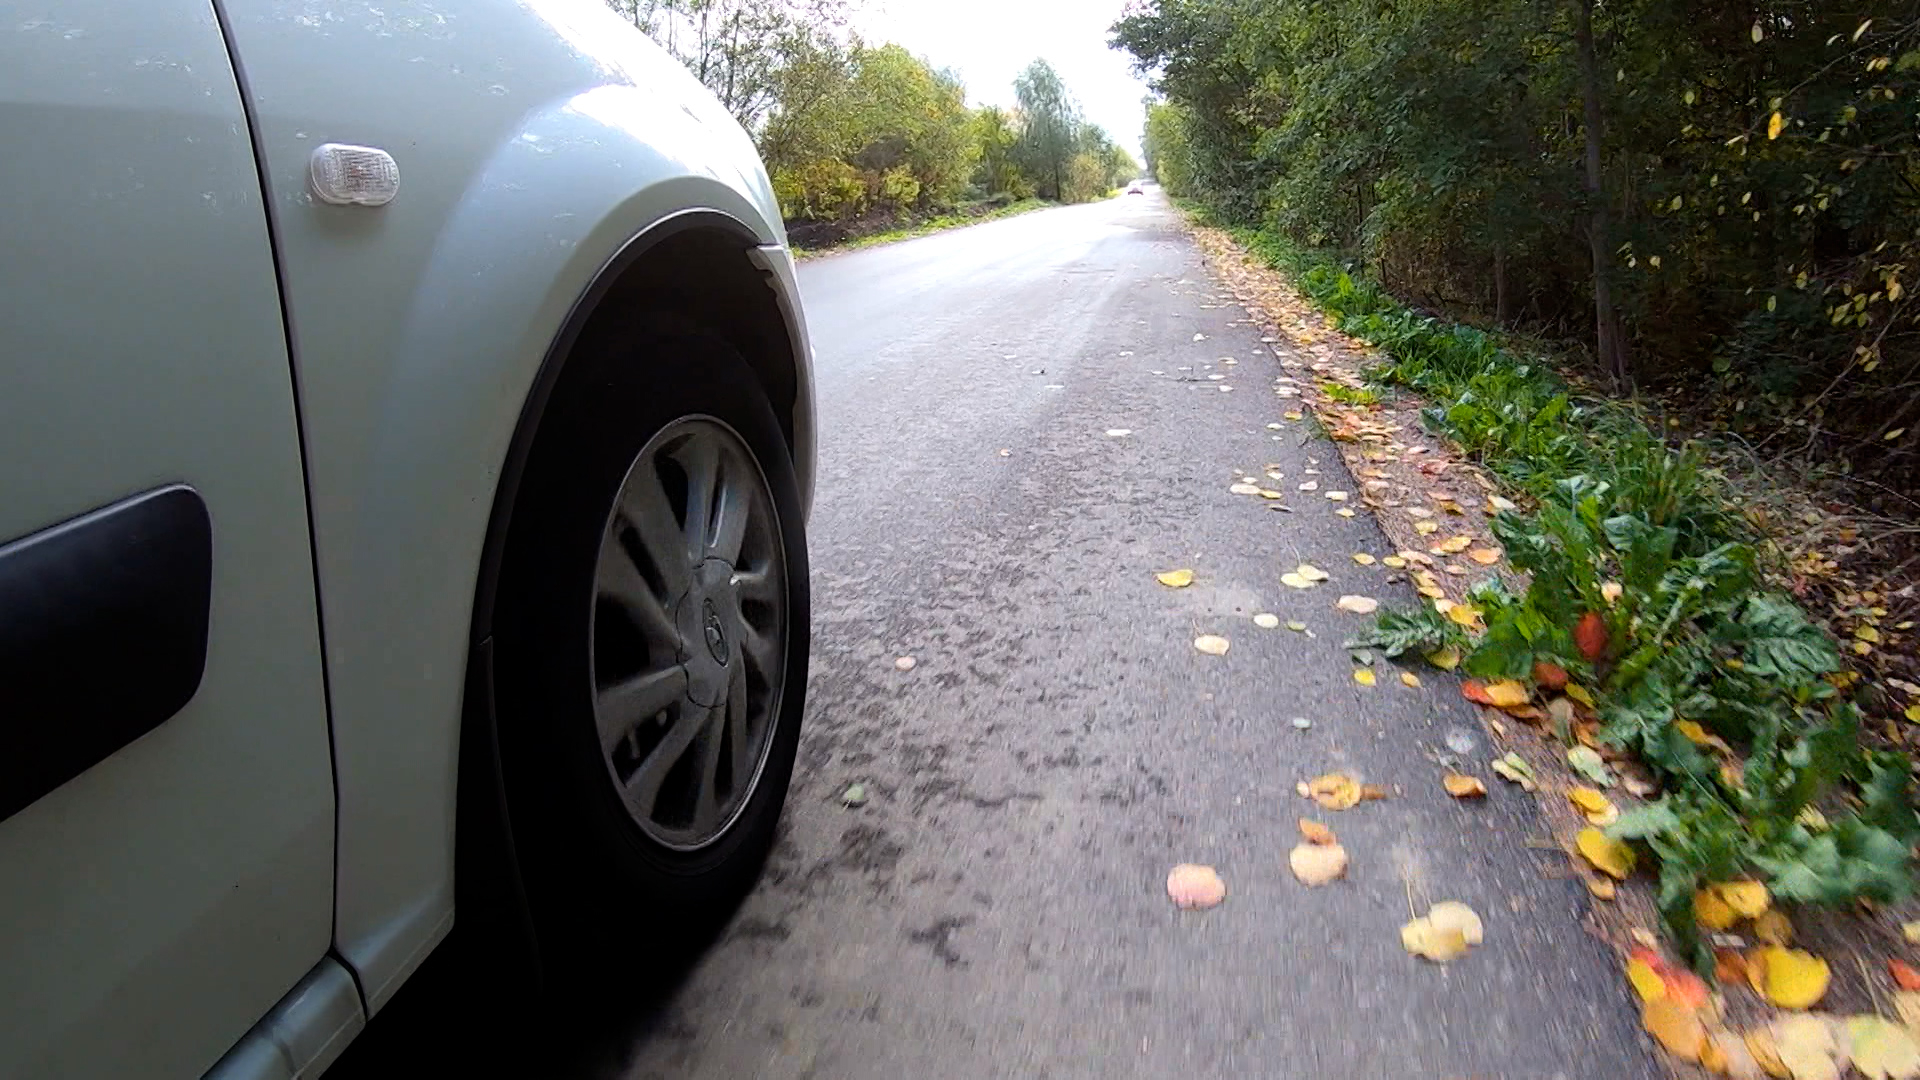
(406,432)
(1136,188)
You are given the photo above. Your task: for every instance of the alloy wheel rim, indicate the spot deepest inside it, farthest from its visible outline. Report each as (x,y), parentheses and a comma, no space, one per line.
(688,632)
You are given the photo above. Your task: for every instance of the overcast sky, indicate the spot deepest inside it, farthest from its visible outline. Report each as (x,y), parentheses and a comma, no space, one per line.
(988,42)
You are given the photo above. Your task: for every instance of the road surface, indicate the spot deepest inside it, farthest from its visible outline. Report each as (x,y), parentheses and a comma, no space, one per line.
(997,908)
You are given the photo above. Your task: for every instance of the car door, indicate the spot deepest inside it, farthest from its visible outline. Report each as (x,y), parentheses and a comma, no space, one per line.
(166,803)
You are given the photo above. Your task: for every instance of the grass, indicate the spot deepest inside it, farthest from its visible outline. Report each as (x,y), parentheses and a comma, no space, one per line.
(1644,587)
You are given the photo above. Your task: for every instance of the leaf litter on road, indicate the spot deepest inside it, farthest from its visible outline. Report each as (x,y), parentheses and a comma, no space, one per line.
(1211,644)
(1175,579)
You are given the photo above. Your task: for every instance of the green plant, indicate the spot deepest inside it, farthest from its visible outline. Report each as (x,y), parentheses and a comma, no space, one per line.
(1721,687)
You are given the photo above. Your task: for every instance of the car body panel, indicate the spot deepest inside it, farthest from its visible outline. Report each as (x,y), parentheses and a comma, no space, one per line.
(156,904)
(534,141)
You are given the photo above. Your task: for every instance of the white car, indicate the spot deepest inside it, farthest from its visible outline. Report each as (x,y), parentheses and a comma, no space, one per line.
(406,434)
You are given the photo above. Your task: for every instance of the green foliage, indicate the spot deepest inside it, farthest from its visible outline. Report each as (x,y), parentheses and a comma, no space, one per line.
(1756,165)
(1422,630)
(1169,156)
(1692,634)
(850,131)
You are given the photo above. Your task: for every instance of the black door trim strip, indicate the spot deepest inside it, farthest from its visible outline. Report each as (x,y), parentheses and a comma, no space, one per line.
(103,635)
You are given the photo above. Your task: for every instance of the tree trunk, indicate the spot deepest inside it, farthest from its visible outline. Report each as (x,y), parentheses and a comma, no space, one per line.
(1612,350)
(1502,307)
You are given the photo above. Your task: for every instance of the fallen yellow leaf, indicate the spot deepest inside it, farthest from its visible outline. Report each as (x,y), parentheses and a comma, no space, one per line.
(1421,938)
(1773,928)
(1295,581)
(1462,786)
(1748,899)
(1211,644)
(1692,731)
(1712,1057)
(1317,864)
(1601,888)
(1711,911)
(1464,614)
(1805,1047)
(1675,1026)
(1911,931)
(1335,791)
(1394,561)
(1580,694)
(1175,579)
(1310,572)
(1484,556)
(1358,605)
(1789,978)
(1599,809)
(1452,545)
(1646,981)
(1766,1053)
(1426,527)
(1364,559)
(1882,1049)
(1315,832)
(1506,694)
(1454,915)
(1609,856)
(1410,680)
(1363,676)
(1266,620)
(1906,1005)
(1446,658)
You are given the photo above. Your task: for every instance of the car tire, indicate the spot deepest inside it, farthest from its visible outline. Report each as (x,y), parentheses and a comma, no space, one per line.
(643,804)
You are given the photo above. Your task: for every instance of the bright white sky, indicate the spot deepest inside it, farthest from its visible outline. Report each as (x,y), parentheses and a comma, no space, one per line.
(988,42)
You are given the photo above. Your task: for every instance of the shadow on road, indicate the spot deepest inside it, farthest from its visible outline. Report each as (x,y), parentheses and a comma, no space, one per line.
(459,1015)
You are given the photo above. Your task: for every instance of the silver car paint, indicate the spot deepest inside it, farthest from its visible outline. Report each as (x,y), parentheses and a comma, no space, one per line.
(156,905)
(534,140)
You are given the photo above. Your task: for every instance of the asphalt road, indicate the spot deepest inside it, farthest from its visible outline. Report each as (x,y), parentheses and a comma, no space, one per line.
(998,906)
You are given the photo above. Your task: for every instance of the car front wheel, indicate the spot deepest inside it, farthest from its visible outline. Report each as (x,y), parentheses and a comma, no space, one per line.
(652,638)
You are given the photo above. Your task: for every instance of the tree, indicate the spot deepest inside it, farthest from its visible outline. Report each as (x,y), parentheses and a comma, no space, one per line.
(1050,122)
(1728,187)
(738,48)
(995,133)
(1169,157)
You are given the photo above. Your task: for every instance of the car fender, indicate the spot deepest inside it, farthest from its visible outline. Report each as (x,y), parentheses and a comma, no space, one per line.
(535,143)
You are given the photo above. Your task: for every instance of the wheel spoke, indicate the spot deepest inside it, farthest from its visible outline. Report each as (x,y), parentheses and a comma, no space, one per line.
(645,507)
(700,456)
(620,581)
(764,651)
(759,586)
(627,704)
(643,787)
(731,511)
(706,805)
(739,720)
